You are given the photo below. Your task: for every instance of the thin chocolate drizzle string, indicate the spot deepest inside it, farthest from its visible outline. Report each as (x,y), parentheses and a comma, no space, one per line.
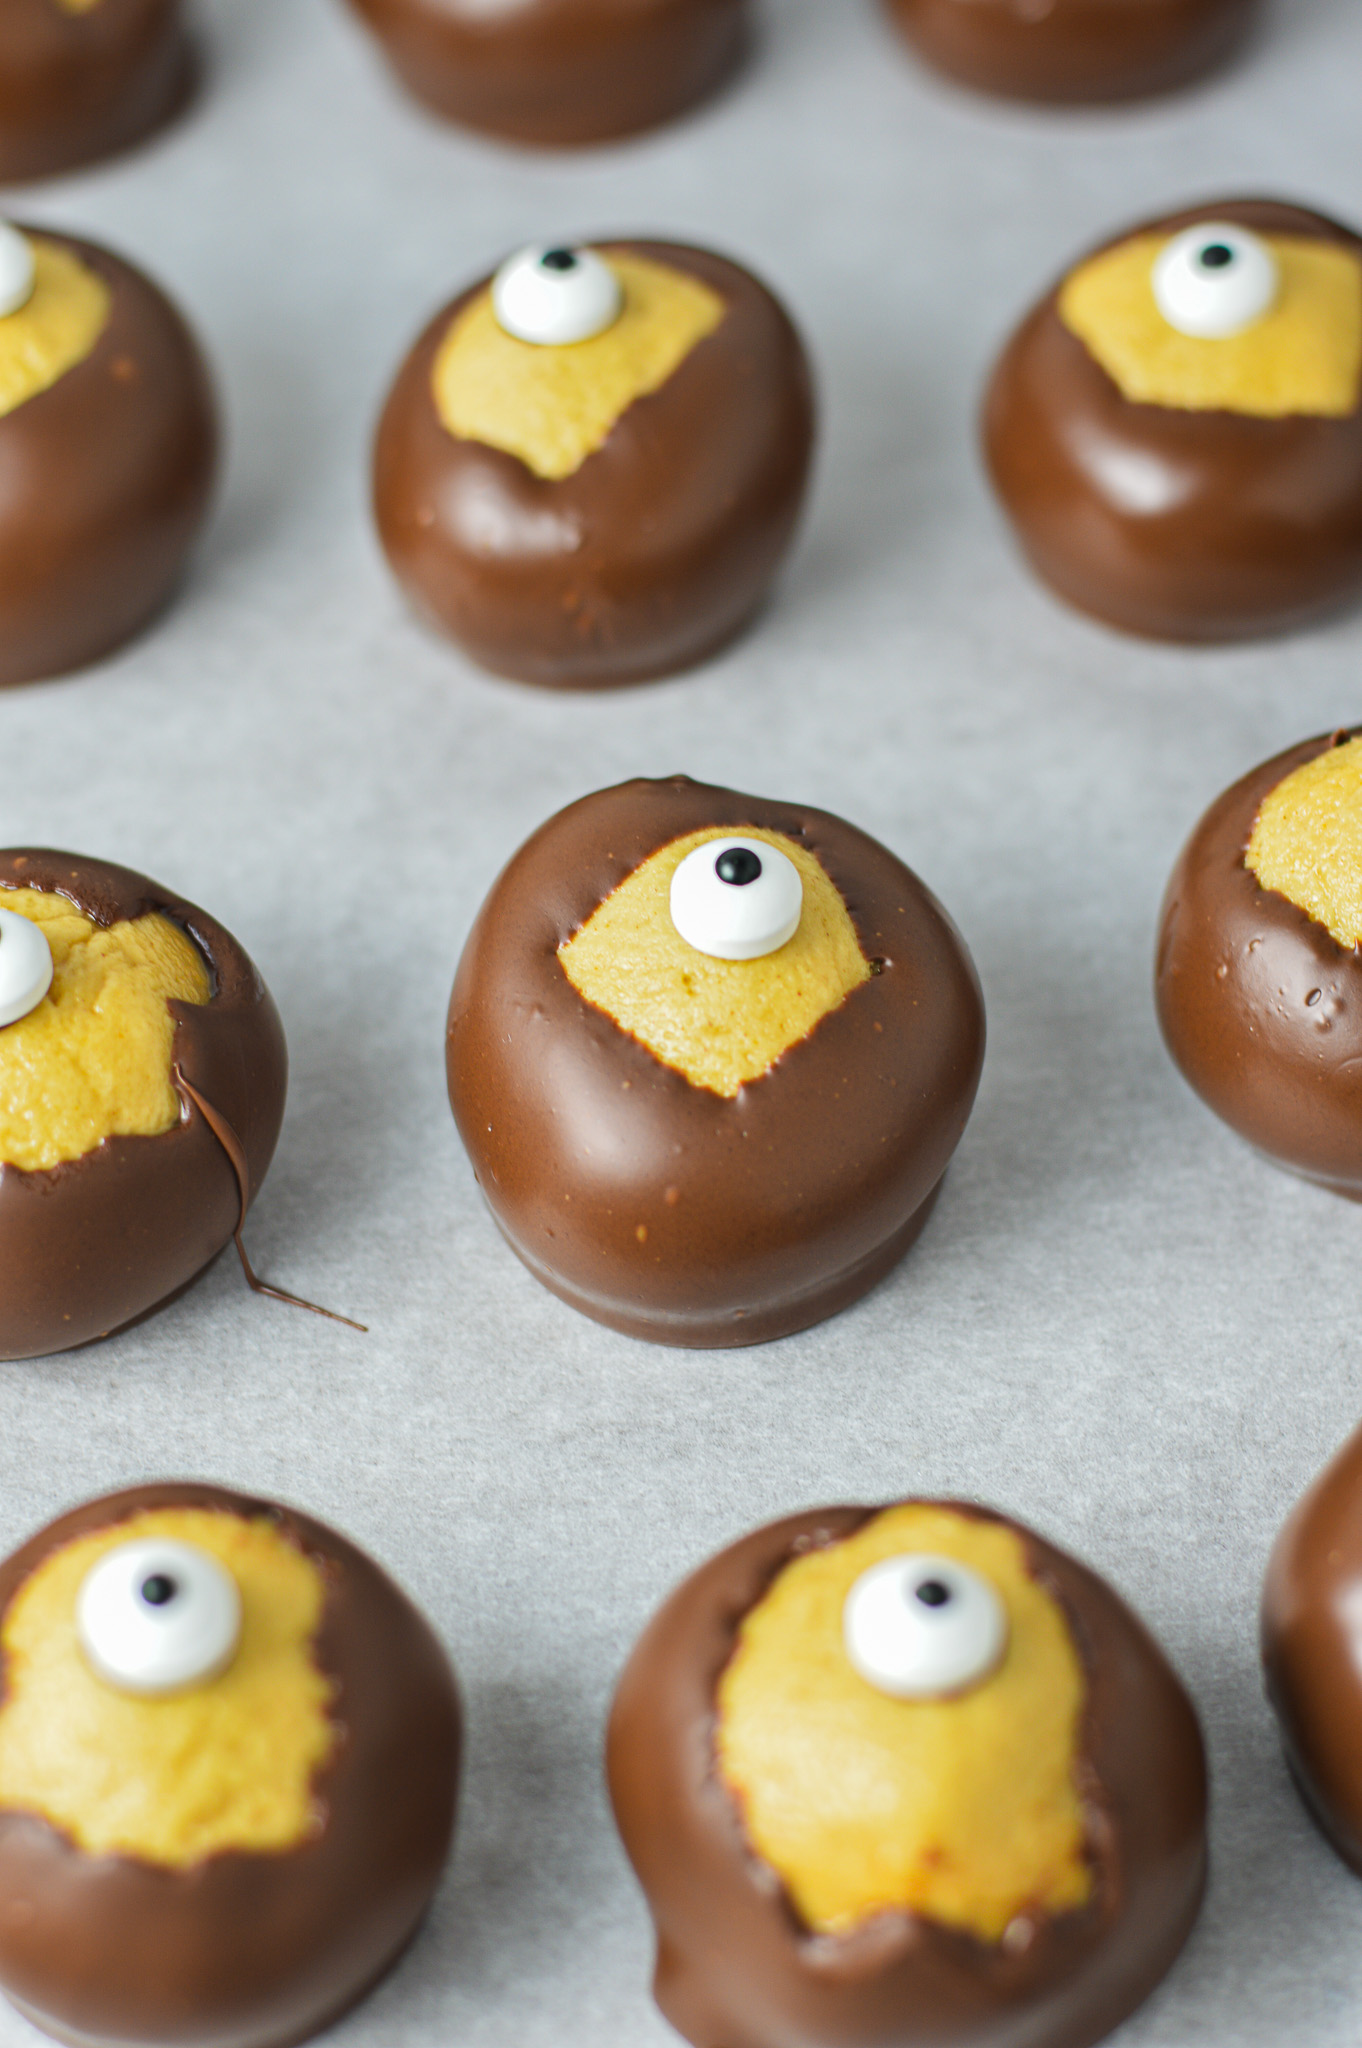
(231,1145)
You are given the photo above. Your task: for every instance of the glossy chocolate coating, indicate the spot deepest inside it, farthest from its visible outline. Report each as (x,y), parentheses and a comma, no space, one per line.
(105,480)
(1073,50)
(77,86)
(559,73)
(96,1241)
(762,1213)
(250,1950)
(1312,1657)
(1260,1005)
(646,559)
(1194,526)
(736,1968)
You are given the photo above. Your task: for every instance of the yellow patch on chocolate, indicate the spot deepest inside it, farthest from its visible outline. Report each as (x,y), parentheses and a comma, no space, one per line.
(962,1809)
(1307,840)
(228,1765)
(78,6)
(721,1023)
(58,327)
(554,406)
(93,1060)
(1304,356)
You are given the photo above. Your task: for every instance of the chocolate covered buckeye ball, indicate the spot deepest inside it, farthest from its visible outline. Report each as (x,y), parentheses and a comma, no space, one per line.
(906,1777)
(1175,430)
(1073,50)
(560,72)
(229,1753)
(710,1056)
(142,1082)
(108,451)
(81,79)
(1258,980)
(591,466)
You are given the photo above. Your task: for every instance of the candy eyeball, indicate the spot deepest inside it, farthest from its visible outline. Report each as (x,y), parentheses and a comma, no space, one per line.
(17,269)
(556,295)
(1214,280)
(736,899)
(155,1616)
(921,1627)
(25,966)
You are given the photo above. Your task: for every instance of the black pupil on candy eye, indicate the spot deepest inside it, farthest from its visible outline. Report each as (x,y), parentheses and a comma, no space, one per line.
(159,1589)
(1215,256)
(738,867)
(558,259)
(932,1593)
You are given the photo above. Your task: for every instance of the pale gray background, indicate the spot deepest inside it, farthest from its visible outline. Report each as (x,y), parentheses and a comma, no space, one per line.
(1119,1325)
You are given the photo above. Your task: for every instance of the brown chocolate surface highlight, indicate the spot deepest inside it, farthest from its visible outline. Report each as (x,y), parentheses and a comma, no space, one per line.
(1191,526)
(663,1209)
(80,84)
(652,554)
(1312,1660)
(734,1964)
(560,73)
(92,1243)
(1260,1007)
(247,1950)
(108,475)
(1074,50)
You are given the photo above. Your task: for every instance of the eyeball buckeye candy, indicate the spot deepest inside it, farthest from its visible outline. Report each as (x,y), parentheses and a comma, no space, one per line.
(560,72)
(909,1776)
(1073,50)
(590,466)
(1258,979)
(82,79)
(1175,431)
(710,1057)
(108,449)
(229,1755)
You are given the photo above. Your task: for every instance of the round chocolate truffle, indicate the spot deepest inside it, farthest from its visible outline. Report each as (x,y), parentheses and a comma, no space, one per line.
(1312,1659)
(117,1185)
(1258,979)
(1182,456)
(81,79)
(559,73)
(717,1138)
(1073,50)
(589,505)
(229,1753)
(108,451)
(907,1776)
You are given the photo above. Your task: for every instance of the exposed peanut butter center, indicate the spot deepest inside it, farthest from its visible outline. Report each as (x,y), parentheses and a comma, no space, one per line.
(721,1023)
(554,406)
(57,329)
(1307,840)
(93,1060)
(1305,356)
(229,1765)
(964,1809)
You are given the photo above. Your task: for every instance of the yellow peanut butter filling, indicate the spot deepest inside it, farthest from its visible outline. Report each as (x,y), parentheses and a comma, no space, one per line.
(93,1060)
(961,1809)
(1307,840)
(228,1765)
(554,406)
(56,329)
(1303,356)
(721,1023)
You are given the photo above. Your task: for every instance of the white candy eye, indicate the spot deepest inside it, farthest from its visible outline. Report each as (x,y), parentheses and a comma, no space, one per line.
(736,898)
(25,966)
(919,1627)
(552,296)
(1214,280)
(16,269)
(157,1616)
